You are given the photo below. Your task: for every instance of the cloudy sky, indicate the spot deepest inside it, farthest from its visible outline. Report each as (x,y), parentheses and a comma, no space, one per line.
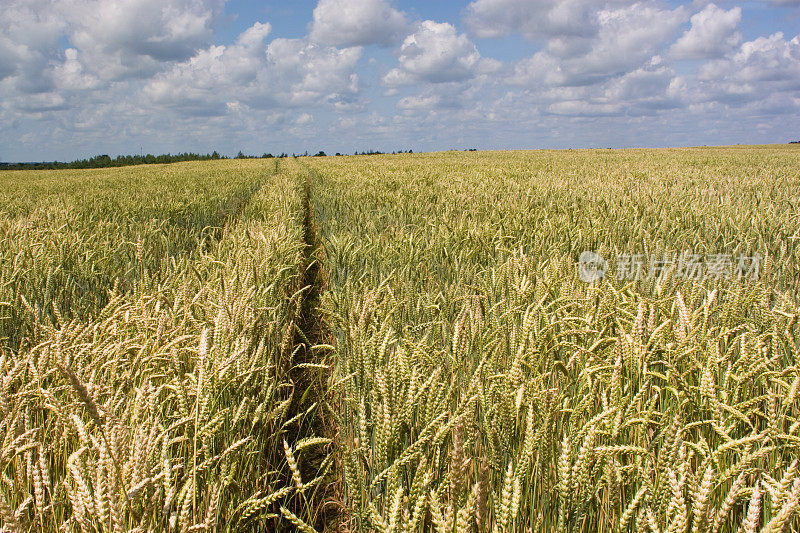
(82,77)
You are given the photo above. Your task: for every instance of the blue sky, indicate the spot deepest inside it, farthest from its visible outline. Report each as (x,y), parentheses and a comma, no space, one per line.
(83,77)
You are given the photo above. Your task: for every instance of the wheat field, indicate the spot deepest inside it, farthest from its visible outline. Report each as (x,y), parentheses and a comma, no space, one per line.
(403,343)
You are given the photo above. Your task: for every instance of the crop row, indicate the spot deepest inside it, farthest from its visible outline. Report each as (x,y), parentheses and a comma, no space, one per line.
(149,329)
(482,385)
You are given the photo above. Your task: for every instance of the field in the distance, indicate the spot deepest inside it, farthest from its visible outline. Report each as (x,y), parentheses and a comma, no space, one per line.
(404,343)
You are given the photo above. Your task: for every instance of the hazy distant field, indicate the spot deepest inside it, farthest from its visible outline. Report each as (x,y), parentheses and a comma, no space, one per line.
(404,343)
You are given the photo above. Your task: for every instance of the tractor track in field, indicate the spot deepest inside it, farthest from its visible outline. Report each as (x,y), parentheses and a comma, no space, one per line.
(311,382)
(231,210)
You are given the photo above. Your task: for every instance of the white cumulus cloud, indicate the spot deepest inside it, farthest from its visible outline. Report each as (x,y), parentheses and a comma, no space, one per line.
(626,38)
(29,32)
(761,67)
(346,23)
(133,38)
(536,19)
(102,76)
(435,53)
(71,75)
(286,72)
(713,33)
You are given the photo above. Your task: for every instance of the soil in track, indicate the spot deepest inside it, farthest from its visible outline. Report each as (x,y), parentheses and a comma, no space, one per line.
(311,383)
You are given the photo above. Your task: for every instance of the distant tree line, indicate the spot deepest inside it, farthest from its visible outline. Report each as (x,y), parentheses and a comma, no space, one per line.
(321,153)
(240,155)
(103,161)
(378,152)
